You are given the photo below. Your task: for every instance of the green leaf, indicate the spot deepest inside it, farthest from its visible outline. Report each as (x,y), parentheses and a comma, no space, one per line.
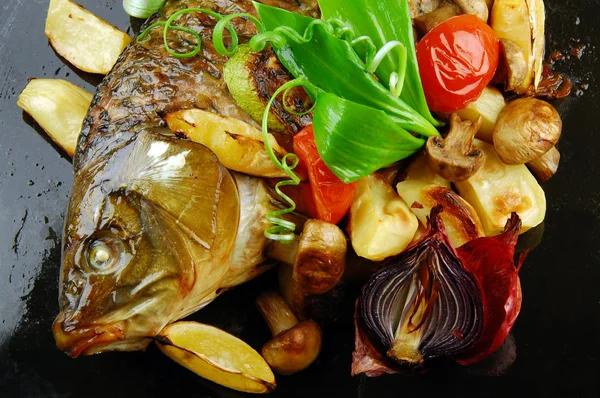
(355,140)
(384,21)
(332,65)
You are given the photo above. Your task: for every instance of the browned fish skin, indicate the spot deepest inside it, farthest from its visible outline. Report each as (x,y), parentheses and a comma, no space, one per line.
(146,81)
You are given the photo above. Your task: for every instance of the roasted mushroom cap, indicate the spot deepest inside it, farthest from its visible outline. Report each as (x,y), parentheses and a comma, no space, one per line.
(455,158)
(295,345)
(526,129)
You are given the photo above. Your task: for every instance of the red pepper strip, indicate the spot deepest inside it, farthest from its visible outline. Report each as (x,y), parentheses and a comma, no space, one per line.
(491,262)
(332,198)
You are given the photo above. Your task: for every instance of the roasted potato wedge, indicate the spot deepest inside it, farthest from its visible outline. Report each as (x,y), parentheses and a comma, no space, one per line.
(422,192)
(238,145)
(217,356)
(489,105)
(59,107)
(497,190)
(460,219)
(88,42)
(381,224)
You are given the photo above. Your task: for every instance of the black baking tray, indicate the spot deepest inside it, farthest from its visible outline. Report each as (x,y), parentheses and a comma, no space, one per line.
(554,349)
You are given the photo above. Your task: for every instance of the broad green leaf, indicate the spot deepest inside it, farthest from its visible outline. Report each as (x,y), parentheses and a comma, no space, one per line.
(355,140)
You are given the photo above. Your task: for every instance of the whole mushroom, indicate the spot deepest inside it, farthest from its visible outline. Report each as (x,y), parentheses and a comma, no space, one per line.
(295,345)
(313,263)
(454,157)
(526,129)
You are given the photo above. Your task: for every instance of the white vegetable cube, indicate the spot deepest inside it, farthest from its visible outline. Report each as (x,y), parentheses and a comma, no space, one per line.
(381,224)
(488,106)
(498,190)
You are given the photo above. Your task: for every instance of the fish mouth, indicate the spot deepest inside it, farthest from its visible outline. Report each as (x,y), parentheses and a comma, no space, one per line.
(87,340)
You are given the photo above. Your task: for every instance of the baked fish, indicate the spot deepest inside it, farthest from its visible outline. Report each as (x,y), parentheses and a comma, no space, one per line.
(156,227)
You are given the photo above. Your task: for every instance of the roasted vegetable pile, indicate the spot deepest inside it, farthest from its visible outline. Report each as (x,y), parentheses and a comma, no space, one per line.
(410,143)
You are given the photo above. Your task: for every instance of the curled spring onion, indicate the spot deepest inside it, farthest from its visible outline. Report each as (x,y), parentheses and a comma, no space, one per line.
(282,230)
(142,8)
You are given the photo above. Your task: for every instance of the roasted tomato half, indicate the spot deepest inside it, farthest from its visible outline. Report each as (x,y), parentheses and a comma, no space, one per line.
(457,59)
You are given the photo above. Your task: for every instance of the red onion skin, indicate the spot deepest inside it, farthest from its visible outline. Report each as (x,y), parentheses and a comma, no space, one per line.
(365,359)
(491,262)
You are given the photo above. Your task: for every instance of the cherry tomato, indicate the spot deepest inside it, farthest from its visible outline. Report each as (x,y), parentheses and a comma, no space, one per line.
(457,59)
(332,198)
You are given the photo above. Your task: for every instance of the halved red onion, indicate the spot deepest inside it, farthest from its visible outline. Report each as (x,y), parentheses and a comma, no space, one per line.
(422,304)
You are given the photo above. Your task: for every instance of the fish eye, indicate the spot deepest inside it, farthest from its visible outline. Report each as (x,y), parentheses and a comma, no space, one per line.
(103,254)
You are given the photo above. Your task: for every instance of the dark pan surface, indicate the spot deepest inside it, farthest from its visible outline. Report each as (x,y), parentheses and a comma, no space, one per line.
(554,350)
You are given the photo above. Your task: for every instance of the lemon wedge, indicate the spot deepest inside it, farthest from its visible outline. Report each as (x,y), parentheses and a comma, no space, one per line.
(217,356)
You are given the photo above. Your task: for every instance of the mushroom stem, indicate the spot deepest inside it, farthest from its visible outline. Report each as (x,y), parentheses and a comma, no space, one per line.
(284,251)
(276,312)
(461,134)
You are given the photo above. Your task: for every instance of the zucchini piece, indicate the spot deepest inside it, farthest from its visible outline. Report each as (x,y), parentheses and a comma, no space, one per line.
(252,78)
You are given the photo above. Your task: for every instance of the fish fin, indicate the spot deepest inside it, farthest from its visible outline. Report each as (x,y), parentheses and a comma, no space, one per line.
(183,178)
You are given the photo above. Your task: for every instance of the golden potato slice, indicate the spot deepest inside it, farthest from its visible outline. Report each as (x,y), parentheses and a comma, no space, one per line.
(216,355)
(488,106)
(381,224)
(59,107)
(497,190)
(88,42)
(238,145)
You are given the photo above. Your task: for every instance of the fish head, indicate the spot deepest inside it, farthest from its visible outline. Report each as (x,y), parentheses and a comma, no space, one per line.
(148,232)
